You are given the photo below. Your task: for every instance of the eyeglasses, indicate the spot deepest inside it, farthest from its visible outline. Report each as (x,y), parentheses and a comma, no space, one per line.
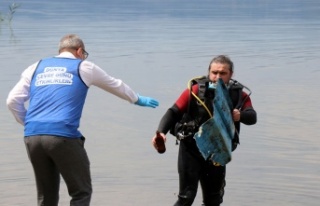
(85,54)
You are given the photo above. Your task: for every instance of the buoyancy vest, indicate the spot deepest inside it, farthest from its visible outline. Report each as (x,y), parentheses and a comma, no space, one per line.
(57,96)
(198,114)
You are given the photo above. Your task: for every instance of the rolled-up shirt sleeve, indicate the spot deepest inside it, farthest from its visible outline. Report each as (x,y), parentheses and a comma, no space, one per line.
(92,74)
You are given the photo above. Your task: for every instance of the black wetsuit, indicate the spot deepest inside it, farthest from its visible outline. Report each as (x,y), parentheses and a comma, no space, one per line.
(192,167)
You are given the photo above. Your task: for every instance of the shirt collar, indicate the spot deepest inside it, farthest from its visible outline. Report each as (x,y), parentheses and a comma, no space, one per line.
(66,54)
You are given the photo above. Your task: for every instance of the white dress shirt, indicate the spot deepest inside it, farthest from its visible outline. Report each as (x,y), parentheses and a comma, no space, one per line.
(90,73)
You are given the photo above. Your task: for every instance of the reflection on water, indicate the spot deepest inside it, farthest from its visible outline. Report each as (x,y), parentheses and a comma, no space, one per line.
(156,47)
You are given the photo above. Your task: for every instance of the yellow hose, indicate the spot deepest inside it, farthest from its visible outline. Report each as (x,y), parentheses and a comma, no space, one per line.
(195,96)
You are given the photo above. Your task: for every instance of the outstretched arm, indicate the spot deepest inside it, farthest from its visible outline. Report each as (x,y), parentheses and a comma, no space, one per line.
(94,75)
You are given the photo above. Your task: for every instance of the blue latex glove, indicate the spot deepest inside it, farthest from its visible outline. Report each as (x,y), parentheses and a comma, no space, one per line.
(147,102)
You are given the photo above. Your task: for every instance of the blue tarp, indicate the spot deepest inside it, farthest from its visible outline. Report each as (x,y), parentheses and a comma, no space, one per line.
(214,138)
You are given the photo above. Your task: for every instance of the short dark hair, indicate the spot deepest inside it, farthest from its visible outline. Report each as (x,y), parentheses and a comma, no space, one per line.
(222,59)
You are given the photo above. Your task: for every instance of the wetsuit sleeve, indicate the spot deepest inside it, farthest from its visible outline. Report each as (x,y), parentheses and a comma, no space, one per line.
(169,119)
(174,114)
(248,115)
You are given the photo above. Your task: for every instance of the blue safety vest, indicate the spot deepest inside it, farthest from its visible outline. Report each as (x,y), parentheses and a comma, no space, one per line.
(57,96)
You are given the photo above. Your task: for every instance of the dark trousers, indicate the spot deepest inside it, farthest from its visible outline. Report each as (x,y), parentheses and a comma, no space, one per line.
(51,156)
(193,169)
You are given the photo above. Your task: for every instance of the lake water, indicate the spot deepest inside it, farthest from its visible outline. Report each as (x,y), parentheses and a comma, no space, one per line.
(156,47)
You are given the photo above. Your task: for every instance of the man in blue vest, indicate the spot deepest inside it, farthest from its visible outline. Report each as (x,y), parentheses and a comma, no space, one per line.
(56,89)
(183,120)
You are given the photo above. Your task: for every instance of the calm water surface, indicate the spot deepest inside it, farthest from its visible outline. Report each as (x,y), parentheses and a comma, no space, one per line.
(156,47)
